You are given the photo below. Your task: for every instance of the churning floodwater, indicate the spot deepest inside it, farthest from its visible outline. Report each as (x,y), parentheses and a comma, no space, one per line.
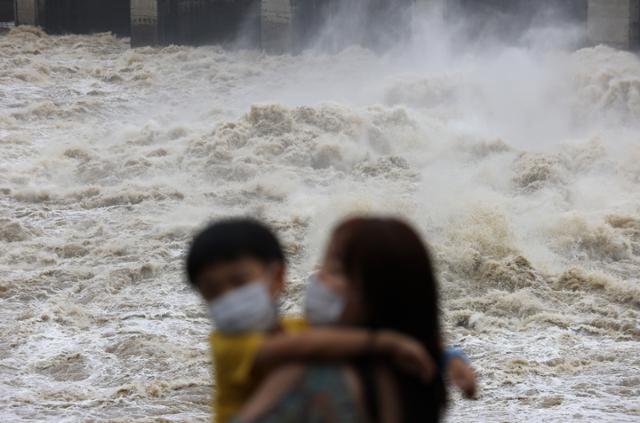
(521,166)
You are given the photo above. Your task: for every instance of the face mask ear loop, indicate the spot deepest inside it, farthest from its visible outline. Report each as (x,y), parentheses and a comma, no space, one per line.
(271,270)
(270,274)
(278,300)
(322,304)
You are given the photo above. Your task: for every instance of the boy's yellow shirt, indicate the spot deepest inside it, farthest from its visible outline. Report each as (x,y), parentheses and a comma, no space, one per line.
(233,358)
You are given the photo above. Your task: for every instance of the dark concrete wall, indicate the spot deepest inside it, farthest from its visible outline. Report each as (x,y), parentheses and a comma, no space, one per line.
(375,24)
(85,16)
(197,22)
(6,11)
(387,22)
(508,19)
(526,10)
(309,18)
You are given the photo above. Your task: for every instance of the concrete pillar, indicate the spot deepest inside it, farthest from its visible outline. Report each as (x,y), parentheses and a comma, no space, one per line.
(277,25)
(614,22)
(197,22)
(27,12)
(144,22)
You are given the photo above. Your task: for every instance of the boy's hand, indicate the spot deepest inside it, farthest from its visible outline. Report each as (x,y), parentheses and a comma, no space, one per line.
(407,353)
(461,374)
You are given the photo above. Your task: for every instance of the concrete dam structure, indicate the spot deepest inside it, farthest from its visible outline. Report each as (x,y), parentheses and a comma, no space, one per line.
(75,16)
(287,25)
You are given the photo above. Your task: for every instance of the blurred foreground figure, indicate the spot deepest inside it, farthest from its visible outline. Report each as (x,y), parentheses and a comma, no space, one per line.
(376,275)
(238,267)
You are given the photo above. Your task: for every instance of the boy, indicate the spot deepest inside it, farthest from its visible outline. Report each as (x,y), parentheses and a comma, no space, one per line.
(238,267)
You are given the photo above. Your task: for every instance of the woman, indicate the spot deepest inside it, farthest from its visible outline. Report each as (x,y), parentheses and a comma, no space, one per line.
(381,274)
(390,284)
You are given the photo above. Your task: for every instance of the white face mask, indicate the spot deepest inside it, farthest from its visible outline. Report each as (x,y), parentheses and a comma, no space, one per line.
(323,305)
(245,309)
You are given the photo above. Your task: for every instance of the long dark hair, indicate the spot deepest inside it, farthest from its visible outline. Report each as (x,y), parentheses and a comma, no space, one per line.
(392,267)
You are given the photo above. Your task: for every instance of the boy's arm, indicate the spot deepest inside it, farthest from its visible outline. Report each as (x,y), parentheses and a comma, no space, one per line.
(459,371)
(331,343)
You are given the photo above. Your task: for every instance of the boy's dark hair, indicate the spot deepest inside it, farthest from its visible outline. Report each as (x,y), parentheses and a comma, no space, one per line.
(232,239)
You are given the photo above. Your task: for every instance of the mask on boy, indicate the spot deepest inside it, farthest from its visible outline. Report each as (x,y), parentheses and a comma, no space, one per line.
(322,304)
(245,309)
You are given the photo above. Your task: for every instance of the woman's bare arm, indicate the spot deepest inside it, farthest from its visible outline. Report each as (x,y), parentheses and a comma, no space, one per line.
(294,391)
(389,404)
(341,343)
(272,390)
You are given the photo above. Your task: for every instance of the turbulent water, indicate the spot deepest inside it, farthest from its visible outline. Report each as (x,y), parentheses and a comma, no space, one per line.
(520,165)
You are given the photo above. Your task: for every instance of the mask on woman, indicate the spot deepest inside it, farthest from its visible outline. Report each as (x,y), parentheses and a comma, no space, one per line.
(322,304)
(245,309)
